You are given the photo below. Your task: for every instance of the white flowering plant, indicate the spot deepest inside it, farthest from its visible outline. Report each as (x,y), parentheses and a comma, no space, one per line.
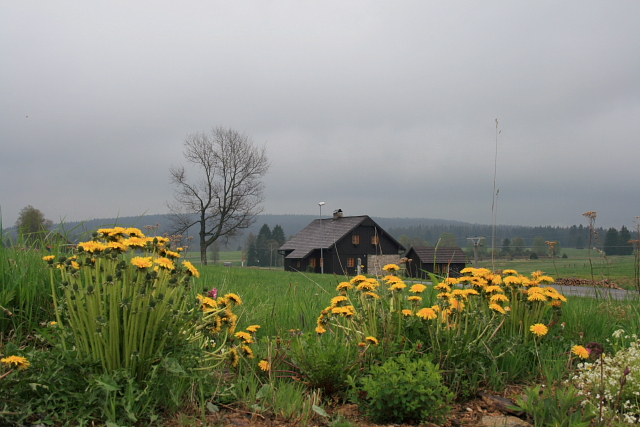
(612,382)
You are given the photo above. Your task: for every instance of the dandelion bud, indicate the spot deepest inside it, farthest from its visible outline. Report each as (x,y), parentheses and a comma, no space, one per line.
(94,234)
(62,259)
(90,290)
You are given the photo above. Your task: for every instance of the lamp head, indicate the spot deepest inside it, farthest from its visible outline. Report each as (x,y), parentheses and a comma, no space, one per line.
(321,204)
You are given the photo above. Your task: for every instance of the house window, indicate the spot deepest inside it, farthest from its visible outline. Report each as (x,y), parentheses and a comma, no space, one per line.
(298,264)
(312,262)
(351,262)
(375,240)
(355,239)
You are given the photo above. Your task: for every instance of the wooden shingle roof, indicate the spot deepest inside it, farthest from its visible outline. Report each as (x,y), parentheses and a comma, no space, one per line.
(322,234)
(453,255)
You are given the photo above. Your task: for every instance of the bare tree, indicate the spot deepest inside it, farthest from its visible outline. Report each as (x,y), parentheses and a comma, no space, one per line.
(228,196)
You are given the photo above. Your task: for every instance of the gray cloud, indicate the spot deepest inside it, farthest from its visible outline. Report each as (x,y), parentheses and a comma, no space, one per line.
(380,108)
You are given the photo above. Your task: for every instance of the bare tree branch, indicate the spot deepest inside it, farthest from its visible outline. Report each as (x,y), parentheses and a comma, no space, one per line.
(229,194)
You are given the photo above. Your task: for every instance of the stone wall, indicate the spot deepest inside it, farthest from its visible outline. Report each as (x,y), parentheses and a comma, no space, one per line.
(376,262)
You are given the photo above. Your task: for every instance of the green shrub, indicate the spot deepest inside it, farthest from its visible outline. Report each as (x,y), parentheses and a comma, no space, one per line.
(404,390)
(561,407)
(324,362)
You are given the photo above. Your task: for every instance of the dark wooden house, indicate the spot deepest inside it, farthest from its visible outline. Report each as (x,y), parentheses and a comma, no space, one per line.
(441,261)
(345,243)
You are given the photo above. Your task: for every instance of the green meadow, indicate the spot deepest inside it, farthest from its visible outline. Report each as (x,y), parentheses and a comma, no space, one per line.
(290,348)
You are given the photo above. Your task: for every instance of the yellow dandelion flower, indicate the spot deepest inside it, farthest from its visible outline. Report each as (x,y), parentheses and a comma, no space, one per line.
(481,272)
(495,279)
(92,247)
(427,313)
(234,358)
(191,269)
(264,365)
(580,351)
(75,265)
(135,242)
(442,287)
(20,362)
(546,279)
(451,281)
(335,301)
(165,263)
(467,270)
(398,286)
(390,279)
(493,288)
(537,297)
(246,350)
(171,254)
(536,274)
(344,286)
(320,330)
(142,262)
(244,336)
(499,298)
(233,298)
(443,295)
(118,246)
(470,292)
(535,290)
(134,232)
(359,278)
(391,267)
(415,298)
(497,307)
(556,303)
(372,340)
(418,288)
(511,280)
(366,286)
(253,328)
(407,312)
(49,258)
(510,272)
(456,304)
(372,295)
(465,279)
(539,329)
(479,282)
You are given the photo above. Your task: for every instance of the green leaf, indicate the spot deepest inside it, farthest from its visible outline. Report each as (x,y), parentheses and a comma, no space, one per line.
(318,410)
(263,392)
(107,383)
(212,408)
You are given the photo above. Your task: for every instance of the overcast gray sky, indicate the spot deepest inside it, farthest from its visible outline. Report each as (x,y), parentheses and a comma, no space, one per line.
(385,108)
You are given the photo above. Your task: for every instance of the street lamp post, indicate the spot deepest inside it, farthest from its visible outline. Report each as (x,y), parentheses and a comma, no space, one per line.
(321,236)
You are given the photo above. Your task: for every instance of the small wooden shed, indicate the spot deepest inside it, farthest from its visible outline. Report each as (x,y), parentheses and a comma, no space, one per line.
(446,262)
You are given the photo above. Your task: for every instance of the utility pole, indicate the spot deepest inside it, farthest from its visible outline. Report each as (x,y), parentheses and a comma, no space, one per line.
(321,236)
(476,243)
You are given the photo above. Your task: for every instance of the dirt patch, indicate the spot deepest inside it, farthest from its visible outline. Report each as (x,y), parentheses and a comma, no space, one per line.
(467,414)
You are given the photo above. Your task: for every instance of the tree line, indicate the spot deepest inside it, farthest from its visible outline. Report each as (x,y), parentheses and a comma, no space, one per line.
(262,250)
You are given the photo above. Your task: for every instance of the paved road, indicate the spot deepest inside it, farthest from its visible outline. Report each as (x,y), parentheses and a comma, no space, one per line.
(583,291)
(587,291)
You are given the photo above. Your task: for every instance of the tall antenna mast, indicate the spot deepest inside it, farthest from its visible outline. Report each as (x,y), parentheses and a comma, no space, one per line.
(493,204)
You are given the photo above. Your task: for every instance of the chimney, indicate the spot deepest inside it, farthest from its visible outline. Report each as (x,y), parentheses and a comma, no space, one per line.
(337,214)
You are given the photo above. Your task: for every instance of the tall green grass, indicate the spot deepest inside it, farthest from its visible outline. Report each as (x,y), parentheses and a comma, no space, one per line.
(25,296)
(277,300)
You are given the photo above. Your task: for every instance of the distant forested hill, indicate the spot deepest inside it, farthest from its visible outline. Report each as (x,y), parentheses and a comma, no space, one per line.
(426,229)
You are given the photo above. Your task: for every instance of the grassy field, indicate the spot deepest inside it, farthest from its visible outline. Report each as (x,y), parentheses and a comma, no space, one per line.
(618,269)
(475,348)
